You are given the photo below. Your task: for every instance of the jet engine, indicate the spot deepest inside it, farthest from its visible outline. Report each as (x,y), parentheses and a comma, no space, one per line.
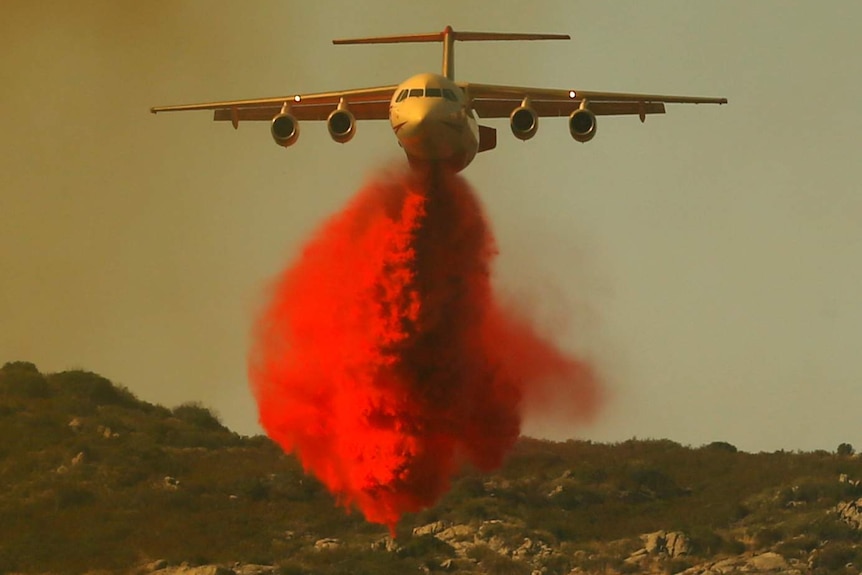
(524,121)
(582,125)
(341,124)
(285,129)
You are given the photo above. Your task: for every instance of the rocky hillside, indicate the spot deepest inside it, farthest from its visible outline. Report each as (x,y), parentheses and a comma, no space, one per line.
(96,480)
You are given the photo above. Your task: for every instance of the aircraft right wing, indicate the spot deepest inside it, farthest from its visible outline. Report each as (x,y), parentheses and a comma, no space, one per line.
(363,103)
(491,101)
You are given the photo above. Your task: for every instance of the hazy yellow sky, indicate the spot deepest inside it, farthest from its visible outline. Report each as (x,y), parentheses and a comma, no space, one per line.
(708,262)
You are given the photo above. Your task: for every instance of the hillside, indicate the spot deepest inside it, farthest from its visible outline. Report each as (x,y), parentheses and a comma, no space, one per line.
(95,479)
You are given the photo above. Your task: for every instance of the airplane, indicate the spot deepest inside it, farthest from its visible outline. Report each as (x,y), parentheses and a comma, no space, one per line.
(433,116)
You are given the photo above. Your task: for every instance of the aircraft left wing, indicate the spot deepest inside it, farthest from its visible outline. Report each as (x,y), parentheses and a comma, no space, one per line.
(364,103)
(491,101)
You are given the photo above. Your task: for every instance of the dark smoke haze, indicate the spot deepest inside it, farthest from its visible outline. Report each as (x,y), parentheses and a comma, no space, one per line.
(383,359)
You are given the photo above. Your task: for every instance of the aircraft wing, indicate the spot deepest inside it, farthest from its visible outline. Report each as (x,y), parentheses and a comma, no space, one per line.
(490,101)
(364,103)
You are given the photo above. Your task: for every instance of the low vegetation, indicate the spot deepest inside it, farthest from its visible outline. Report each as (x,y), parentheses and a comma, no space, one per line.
(95,479)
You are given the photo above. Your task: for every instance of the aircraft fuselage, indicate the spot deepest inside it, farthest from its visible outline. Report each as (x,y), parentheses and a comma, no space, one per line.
(432,120)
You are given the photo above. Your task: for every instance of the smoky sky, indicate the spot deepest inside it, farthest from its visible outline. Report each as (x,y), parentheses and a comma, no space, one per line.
(706,261)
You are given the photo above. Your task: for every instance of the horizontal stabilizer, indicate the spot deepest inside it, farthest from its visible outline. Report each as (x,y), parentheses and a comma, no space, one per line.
(455,35)
(448,37)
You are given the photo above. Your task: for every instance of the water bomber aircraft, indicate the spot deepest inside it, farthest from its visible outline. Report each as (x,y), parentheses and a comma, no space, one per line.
(434,116)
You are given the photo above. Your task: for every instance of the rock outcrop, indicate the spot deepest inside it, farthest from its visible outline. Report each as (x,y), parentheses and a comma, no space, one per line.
(161,567)
(850,512)
(327,543)
(387,544)
(459,537)
(431,528)
(669,543)
(769,562)
(186,569)
(490,534)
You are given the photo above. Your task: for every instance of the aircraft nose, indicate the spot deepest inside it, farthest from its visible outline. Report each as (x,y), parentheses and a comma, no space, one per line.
(424,117)
(430,131)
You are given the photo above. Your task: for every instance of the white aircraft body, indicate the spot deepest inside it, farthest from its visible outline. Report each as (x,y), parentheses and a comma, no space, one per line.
(433,116)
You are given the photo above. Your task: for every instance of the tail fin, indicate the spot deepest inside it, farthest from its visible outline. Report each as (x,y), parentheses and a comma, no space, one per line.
(448,37)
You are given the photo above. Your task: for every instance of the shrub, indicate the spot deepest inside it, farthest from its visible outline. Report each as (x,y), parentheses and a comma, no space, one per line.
(562,563)
(834,557)
(706,541)
(798,547)
(292,568)
(653,480)
(19,367)
(722,446)
(198,415)
(480,508)
(767,537)
(92,388)
(7,564)
(425,545)
(468,486)
(67,496)
(845,450)
(573,495)
(677,565)
(256,489)
(23,379)
(831,529)
(589,474)
(492,562)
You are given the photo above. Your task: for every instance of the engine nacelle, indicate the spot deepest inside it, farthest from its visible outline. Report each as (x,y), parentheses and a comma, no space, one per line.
(524,122)
(341,124)
(285,129)
(582,125)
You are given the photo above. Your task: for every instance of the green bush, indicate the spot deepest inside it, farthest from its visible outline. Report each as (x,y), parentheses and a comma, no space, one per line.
(573,495)
(829,528)
(834,557)
(481,509)
(66,496)
(495,564)
(721,446)
(652,480)
(292,568)
(845,450)
(198,415)
(798,547)
(91,388)
(678,565)
(21,378)
(256,489)
(767,537)
(559,563)
(706,542)
(425,545)
(589,474)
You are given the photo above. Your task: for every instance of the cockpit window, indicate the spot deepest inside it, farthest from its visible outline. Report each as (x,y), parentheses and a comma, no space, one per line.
(416,93)
(433,93)
(401,96)
(449,95)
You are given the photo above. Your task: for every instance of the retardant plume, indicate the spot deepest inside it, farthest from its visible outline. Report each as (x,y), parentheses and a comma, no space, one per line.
(383,359)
